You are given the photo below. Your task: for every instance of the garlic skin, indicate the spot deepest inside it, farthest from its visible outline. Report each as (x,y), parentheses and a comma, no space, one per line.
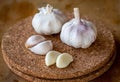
(42,48)
(48,21)
(33,40)
(63,60)
(38,44)
(51,57)
(78,33)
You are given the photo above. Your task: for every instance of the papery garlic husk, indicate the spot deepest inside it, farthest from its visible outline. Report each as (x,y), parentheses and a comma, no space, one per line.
(33,40)
(78,33)
(64,60)
(42,48)
(48,21)
(51,57)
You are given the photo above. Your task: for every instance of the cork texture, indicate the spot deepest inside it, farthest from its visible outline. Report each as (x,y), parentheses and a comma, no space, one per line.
(85,60)
(84,78)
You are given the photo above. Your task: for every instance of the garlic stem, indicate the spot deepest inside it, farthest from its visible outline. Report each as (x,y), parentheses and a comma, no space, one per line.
(77,14)
(49,8)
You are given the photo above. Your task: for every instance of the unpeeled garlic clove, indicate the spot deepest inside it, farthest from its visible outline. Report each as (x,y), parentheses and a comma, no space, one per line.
(33,40)
(78,33)
(42,48)
(51,57)
(64,60)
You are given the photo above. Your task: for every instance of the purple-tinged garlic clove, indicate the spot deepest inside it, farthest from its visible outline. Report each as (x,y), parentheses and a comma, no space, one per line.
(42,48)
(33,40)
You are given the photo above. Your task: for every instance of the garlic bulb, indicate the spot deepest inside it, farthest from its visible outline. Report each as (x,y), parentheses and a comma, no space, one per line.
(38,45)
(48,21)
(51,57)
(63,60)
(78,33)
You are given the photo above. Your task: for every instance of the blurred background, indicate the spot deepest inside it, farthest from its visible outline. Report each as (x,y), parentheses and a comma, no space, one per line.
(107,11)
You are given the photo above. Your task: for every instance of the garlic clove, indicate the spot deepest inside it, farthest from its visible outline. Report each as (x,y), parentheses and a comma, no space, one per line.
(78,33)
(51,57)
(33,40)
(42,48)
(64,60)
(48,21)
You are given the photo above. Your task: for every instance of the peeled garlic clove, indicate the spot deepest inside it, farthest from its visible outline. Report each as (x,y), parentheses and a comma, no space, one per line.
(51,57)
(33,40)
(78,33)
(63,60)
(42,48)
(48,21)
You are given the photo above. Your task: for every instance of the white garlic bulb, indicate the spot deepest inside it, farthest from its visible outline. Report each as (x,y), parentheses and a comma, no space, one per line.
(64,60)
(48,21)
(51,57)
(38,45)
(78,33)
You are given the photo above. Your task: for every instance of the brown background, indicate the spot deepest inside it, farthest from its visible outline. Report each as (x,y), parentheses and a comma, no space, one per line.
(107,11)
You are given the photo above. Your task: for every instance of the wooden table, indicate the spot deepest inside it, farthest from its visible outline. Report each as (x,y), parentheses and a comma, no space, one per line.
(108,11)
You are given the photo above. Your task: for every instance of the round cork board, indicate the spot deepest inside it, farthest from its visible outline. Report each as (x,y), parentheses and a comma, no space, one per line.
(84,78)
(85,60)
